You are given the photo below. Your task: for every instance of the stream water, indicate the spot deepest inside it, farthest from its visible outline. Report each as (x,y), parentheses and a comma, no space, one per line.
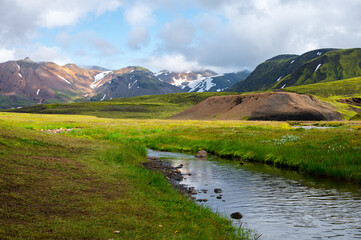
(273,205)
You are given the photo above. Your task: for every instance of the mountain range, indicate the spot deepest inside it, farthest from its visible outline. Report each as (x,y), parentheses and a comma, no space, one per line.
(26,82)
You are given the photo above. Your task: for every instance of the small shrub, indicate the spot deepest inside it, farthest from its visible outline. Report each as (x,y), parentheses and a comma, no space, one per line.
(249,156)
(270,158)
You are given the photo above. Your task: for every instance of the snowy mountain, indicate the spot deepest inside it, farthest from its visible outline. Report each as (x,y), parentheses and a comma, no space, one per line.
(202,81)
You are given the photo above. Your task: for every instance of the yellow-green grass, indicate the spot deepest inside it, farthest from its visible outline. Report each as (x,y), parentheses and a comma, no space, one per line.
(332,92)
(333,153)
(54,186)
(143,107)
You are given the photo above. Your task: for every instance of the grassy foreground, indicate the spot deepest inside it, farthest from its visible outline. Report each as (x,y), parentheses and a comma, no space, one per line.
(89,183)
(54,186)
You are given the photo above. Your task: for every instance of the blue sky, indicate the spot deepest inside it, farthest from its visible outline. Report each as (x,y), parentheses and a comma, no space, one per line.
(222,35)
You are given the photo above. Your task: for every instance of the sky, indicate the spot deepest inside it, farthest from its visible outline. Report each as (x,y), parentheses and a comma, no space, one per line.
(177,35)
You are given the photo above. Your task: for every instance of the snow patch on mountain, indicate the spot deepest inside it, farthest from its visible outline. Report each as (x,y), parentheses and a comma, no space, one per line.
(37,92)
(103,97)
(202,84)
(98,78)
(64,79)
(21,76)
(131,85)
(318,66)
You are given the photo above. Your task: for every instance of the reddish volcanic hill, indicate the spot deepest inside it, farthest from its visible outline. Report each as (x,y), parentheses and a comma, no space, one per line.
(278,106)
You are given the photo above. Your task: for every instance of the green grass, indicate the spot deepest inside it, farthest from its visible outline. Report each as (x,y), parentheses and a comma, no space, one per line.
(340,89)
(88,183)
(143,107)
(331,153)
(54,186)
(356,117)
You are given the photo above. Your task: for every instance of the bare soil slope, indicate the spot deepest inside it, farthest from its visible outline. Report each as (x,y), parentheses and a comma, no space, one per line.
(278,106)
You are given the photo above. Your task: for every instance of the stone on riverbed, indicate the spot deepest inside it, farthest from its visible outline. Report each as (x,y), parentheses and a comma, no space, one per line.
(217,190)
(201,154)
(236,215)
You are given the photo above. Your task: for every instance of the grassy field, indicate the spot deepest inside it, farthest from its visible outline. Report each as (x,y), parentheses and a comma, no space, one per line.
(143,107)
(54,186)
(90,184)
(325,152)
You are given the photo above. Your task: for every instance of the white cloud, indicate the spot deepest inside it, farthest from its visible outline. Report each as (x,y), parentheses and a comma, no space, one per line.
(103,47)
(226,34)
(177,35)
(139,14)
(175,63)
(178,63)
(236,33)
(138,37)
(7,54)
(20,21)
(82,41)
(41,53)
(57,13)
(57,18)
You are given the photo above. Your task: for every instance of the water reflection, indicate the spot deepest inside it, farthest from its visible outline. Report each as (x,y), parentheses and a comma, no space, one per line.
(274,206)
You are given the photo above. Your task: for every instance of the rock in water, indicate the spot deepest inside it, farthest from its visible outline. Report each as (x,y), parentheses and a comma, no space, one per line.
(218,190)
(236,215)
(201,154)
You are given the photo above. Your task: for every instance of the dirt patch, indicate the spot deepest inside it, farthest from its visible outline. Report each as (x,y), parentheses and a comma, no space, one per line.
(278,106)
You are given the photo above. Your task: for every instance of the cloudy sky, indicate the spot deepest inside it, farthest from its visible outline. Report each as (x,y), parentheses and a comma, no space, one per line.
(178,35)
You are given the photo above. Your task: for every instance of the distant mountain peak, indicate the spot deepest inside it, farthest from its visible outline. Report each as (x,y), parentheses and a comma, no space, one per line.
(201,80)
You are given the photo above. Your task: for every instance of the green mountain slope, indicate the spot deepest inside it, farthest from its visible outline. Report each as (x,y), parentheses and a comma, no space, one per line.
(336,89)
(273,70)
(332,66)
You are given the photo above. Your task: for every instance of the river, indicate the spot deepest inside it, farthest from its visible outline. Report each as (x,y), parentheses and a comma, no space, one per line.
(275,206)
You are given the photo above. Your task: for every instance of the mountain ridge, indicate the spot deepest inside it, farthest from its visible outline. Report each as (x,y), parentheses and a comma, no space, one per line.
(25,82)
(274,69)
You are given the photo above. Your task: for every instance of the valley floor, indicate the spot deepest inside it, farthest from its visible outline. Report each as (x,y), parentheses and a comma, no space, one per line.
(88,182)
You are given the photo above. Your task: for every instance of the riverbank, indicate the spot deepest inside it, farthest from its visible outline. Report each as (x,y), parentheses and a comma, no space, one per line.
(331,153)
(54,186)
(275,204)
